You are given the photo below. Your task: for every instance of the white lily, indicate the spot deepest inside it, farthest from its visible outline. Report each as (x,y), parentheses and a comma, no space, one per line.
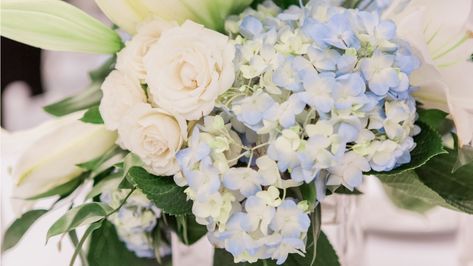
(49,153)
(441,32)
(56,25)
(210,13)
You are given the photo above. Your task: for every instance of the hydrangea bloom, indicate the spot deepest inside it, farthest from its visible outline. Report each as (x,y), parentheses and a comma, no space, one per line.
(134,221)
(321,96)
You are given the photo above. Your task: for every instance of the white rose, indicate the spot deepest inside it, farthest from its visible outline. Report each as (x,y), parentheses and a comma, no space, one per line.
(120,93)
(130,58)
(155,136)
(188,68)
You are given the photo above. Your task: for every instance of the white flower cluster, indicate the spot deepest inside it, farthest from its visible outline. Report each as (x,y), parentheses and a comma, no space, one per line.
(321,95)
(166,74)
(134,221)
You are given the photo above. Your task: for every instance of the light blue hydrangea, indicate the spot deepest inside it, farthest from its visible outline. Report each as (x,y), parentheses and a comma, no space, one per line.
(321,96)
(254,110)
(134,221)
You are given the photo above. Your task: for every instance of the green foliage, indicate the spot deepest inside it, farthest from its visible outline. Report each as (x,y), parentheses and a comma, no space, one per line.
(435,184)
(326,256)
(408,185)
(186,228)
(106,249)
(455,188)
(465,156)
(408,202)
(62,190)
(168,196)
(281,3)
(81,215)
(99,74)
(97,164)
(92,116)
(87,98)
(108,183)
(351,3)
(344,191)
(78,244)
(19,227)
(436,119)
(83,100)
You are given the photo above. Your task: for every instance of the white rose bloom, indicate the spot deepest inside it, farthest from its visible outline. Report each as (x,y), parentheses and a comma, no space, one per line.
(130,58)
(188,68)
(155,136)
(120,93)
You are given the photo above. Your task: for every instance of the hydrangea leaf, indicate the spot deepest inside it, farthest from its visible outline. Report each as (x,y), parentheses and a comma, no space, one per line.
(106,249)
(162,190)
(456,188)
(434,183)
(19,227)
(56,25)
(435,118)
(406,201)
(407,185)
(186,228)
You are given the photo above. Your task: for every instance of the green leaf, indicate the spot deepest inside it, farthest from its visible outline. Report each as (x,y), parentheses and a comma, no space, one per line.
(56,25)
(168,196)
(428,145)
(465,156)
(351,3)
(99,74)
(19,227)
(326,256)
(61,190)
(81,215)
(281,3)
(408,185)
(87,233)
(408,202)
(106,249)
(109,183)
(455,188)
(343,190)
(85,99)
(186,228)
(436,119)
(92,116)
(95,163)
(309,193)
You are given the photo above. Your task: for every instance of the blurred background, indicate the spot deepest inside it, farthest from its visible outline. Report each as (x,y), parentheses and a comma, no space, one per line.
(367,230)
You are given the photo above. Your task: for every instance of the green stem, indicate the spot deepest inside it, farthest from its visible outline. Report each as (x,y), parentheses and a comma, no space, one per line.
(122,203)
(75,242)
(316,218)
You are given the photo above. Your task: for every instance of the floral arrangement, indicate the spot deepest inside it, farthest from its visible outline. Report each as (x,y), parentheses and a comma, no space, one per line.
(234,122)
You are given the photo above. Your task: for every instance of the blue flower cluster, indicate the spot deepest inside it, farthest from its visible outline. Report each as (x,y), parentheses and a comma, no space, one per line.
(134,221)
(321,96)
